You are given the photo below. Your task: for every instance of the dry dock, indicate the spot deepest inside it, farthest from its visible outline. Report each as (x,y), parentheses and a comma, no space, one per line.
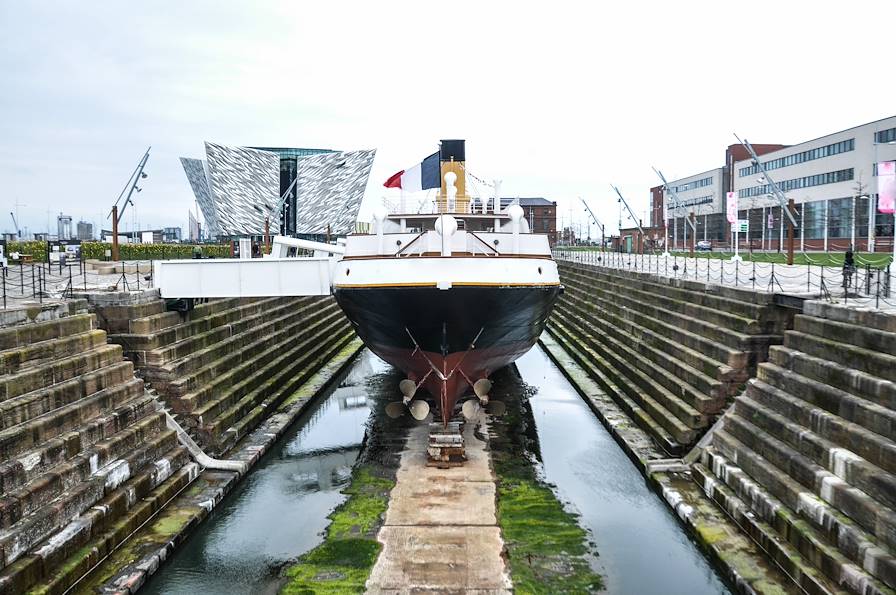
(441,532)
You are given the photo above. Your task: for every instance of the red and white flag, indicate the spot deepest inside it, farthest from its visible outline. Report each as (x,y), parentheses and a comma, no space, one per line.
(422,176)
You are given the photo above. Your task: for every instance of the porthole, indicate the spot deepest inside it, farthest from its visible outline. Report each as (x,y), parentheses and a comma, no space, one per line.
(496,242)
(398,242)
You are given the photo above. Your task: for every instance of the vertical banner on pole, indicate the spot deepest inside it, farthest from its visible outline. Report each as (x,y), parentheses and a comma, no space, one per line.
(731,203)
(886,187)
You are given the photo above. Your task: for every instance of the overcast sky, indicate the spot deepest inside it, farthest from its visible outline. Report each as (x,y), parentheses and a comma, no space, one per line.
(556,99)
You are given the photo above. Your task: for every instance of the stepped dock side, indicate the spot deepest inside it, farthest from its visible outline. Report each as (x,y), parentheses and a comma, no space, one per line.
(224,365)
(90,454)
(671,355)
(86,454)
(805,460)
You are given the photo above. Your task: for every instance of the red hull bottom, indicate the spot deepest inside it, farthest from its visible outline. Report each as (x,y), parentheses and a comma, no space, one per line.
(448,378)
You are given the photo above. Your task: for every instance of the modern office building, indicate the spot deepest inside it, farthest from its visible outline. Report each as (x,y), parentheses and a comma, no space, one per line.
(64,227)
(85,231)
(171,235)
(289,163)
(238,189)
(832,180)
(834,183)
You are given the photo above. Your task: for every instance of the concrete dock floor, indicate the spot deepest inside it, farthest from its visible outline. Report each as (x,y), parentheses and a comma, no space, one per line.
(441,533)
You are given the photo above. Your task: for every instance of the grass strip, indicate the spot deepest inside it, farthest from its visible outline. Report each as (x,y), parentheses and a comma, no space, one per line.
(548,552)
(342,563)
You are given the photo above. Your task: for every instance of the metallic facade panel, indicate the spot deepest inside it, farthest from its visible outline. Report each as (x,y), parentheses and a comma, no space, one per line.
(330,190)
(245,186)
(198,178)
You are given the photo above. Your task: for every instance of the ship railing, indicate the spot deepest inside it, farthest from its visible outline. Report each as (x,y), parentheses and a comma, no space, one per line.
(406,251)
(480,244)
(434,206)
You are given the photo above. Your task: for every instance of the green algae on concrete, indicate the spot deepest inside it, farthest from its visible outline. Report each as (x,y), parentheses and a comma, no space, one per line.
(342,563)
(547,550)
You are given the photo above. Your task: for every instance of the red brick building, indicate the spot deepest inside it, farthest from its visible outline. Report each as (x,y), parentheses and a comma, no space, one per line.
(541,214)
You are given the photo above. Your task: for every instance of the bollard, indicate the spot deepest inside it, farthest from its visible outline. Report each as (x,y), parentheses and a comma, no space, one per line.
(888,284)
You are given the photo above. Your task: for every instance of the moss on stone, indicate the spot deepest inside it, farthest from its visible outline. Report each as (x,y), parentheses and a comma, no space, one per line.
(547,550)
(709,534)
(342,563)
(172,521)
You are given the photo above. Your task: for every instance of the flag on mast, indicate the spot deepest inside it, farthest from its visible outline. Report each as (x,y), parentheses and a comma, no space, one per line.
(422,176)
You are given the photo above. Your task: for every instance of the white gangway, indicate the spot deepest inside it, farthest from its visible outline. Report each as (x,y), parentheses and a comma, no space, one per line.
(277,274)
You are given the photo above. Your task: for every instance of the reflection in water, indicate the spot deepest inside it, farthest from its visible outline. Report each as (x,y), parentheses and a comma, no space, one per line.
(280,509)
(642,547)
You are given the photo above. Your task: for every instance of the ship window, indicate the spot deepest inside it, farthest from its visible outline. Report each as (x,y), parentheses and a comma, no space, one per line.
(348,272)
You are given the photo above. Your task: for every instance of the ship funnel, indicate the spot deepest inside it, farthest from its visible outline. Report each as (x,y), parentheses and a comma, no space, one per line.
(452,155)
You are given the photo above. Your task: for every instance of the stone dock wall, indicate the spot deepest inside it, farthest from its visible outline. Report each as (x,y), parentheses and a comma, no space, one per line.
(87,457)
(788,421)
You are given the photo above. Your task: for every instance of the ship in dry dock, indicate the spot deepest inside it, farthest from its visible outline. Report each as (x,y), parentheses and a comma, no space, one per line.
(449,295)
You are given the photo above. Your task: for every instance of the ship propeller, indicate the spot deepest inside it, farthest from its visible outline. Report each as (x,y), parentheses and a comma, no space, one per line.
(408,388)
(419,409)
(473,407)
(481,388)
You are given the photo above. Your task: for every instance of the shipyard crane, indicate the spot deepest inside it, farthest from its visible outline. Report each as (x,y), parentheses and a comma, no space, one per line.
(631,214)
(676,203)
(15,225)
(603,243)
(786,205)
(130,186)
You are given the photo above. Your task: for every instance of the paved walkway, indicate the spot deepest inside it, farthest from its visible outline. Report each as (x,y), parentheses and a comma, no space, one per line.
(441,533)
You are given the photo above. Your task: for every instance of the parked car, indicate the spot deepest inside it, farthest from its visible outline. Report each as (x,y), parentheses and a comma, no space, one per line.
(704,246)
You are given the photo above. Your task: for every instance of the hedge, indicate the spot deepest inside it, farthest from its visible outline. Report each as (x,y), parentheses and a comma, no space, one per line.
(97,250)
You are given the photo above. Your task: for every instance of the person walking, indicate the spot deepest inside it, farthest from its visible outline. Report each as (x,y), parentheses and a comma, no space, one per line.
(849,267)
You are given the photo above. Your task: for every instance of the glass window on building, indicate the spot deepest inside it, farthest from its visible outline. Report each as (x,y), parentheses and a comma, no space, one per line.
(861,217)
(716,229)
(814,220)
(839,218)
(883,225)
(756,223)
